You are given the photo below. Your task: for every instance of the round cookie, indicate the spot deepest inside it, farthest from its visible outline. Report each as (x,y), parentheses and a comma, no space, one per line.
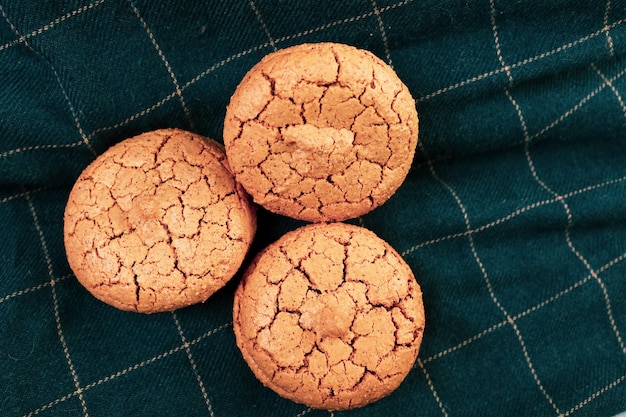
(329,316)
(321,132)
(157,222)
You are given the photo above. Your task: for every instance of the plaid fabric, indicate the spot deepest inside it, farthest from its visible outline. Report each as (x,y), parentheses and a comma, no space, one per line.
(513,216)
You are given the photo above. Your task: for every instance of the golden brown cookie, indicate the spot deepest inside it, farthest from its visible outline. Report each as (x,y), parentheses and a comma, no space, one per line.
(330,316)
(157,222)
(321,132)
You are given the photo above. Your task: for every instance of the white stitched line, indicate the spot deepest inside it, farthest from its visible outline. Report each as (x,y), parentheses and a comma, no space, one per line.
(578,105)
(431,386)
(606,28)
(481,228)
(244,53)
(460,84)
(128,370)
(609,311)
(561,118)
(521,63)
(612,263)
(304,412)
(571,288)
(55,303)
(494,28)
(487,280)
(58,79)
(172,95)
(535,376)
(568,225)
(135,116)
(168,67)
(383,33)
(465,342)
(192,362)
(51,24)
(568,113)
(263,24)
(53,281)
(22,194)
(554,297)
(526,312)
(611,86)
(41,147)
(291,37)
(595,395)
(512,215)
(343,21)
(224,62)
(518,333)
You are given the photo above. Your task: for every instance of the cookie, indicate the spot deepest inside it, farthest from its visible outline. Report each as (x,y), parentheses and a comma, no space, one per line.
(157,222)
(329,316)
(321,132)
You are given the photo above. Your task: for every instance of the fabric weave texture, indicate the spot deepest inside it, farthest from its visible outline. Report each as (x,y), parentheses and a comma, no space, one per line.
(513,216)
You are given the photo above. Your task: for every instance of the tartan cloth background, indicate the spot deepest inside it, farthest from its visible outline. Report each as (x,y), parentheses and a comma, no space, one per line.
(513,216)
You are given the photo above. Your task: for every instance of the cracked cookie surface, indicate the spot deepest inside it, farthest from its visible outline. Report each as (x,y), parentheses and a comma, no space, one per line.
(321,132)
(330,316)
(157,222)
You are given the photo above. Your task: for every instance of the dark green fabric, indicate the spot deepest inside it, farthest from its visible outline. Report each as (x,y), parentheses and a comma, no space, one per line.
(513,216)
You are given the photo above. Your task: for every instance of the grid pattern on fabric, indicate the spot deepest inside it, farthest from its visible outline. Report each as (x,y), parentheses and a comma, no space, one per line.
(513,216)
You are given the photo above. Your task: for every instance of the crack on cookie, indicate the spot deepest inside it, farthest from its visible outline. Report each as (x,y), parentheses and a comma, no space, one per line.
(340,338)
(337,99)
(147,202)
(137,290)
